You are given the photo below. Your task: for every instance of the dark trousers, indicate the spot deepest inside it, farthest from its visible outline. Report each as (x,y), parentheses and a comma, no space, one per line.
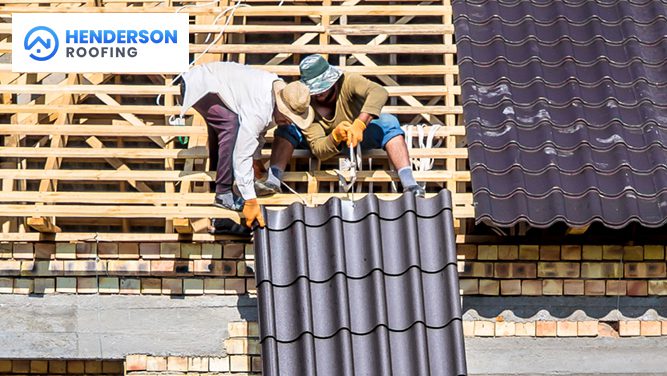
(223,126)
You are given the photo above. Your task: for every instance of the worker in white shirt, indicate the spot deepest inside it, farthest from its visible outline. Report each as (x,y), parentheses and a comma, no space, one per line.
(240,104)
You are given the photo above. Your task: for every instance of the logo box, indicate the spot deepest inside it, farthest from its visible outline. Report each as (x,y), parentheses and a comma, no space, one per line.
(100,42)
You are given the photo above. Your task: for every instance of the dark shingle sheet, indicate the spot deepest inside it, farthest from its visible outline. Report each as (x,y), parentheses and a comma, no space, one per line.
(369,289)
(565,106)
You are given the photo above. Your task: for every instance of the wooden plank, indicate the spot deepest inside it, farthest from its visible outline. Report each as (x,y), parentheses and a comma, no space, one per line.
(43,224)
(170,238)
(161,110)
(152,90)
(117,211)
(576,230)
(183,226)
(92,109)
(249,29)
(58,141)
(293,70)
(144,211)
(421,29)
(433,90)
(263,11)
(129,198)
(449,99)
(433,110)
(326,49)
(434,176)
(91,89)
(153,130)
(357,29)
(114,237)
(101,130)
(416,70)
(196,152)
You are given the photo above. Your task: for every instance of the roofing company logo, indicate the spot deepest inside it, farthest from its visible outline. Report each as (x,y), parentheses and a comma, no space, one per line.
(100,42)
(42,42)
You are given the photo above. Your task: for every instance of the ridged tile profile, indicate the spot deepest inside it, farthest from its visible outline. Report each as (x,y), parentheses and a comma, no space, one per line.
(565,106)
(364,289)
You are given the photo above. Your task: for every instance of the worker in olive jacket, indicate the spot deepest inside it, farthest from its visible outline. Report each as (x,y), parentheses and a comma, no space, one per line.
(347,114)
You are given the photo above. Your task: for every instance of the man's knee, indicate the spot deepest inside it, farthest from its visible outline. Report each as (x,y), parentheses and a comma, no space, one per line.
(389,121)
(289,133)
(390,128)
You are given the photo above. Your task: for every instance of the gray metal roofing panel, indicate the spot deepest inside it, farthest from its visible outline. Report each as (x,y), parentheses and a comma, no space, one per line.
(363,289)
(565,105)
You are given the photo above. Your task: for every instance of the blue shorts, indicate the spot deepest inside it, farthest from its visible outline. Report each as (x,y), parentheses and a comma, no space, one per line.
(378,132)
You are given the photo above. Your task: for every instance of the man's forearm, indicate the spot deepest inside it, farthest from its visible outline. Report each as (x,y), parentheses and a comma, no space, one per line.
(365,117)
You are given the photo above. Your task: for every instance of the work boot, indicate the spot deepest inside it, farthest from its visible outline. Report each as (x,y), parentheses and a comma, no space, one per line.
(225,226)
(265,188)
(416,189)
(228,201)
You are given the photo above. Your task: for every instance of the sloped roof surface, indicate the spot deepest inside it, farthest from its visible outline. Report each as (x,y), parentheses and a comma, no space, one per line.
(369,289)
(565,104)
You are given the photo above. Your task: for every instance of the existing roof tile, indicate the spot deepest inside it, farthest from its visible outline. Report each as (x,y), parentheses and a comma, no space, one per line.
(565,105)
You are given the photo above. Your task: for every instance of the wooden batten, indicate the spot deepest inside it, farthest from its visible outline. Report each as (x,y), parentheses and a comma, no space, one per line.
(95,150)
(577,230)
(42,224)
(183,225)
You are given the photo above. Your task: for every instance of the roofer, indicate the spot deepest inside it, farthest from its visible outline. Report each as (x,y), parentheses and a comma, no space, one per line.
(240,104)
(347,113)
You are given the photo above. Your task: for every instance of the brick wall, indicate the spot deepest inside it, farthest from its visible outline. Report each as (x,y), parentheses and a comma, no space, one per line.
(61,367)
(531,271)
(511,271)
(126,268)
(242,348)
(570,270)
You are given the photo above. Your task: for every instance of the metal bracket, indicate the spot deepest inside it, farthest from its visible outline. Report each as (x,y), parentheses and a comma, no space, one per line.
(348,187)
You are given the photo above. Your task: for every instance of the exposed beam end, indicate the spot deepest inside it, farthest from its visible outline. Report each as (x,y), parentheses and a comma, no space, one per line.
(577,230)
(43,224)
(183,226)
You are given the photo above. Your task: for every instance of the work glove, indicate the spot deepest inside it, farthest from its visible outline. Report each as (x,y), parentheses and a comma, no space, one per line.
(339,133)
(355,134)
(252,212)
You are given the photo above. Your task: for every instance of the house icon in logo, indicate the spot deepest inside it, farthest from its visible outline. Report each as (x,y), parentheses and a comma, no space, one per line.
(41,42)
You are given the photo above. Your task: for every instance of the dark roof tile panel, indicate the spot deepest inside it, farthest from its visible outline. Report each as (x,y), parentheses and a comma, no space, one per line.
(614,33)
(565,105)
(601,95)
(567,161)
(614,212)
(542,134)
(567,71)
(369,288)
(417,351)
(574,12)
(378,225)
(349,304)
(588,179)
(556,53)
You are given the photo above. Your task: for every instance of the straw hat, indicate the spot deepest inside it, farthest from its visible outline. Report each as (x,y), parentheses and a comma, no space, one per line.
(293,101)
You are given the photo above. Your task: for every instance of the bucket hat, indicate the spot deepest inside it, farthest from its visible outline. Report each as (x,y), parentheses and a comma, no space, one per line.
(317,74)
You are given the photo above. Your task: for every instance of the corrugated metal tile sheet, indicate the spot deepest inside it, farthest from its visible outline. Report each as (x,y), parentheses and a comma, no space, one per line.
(565,104)
(369,289)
